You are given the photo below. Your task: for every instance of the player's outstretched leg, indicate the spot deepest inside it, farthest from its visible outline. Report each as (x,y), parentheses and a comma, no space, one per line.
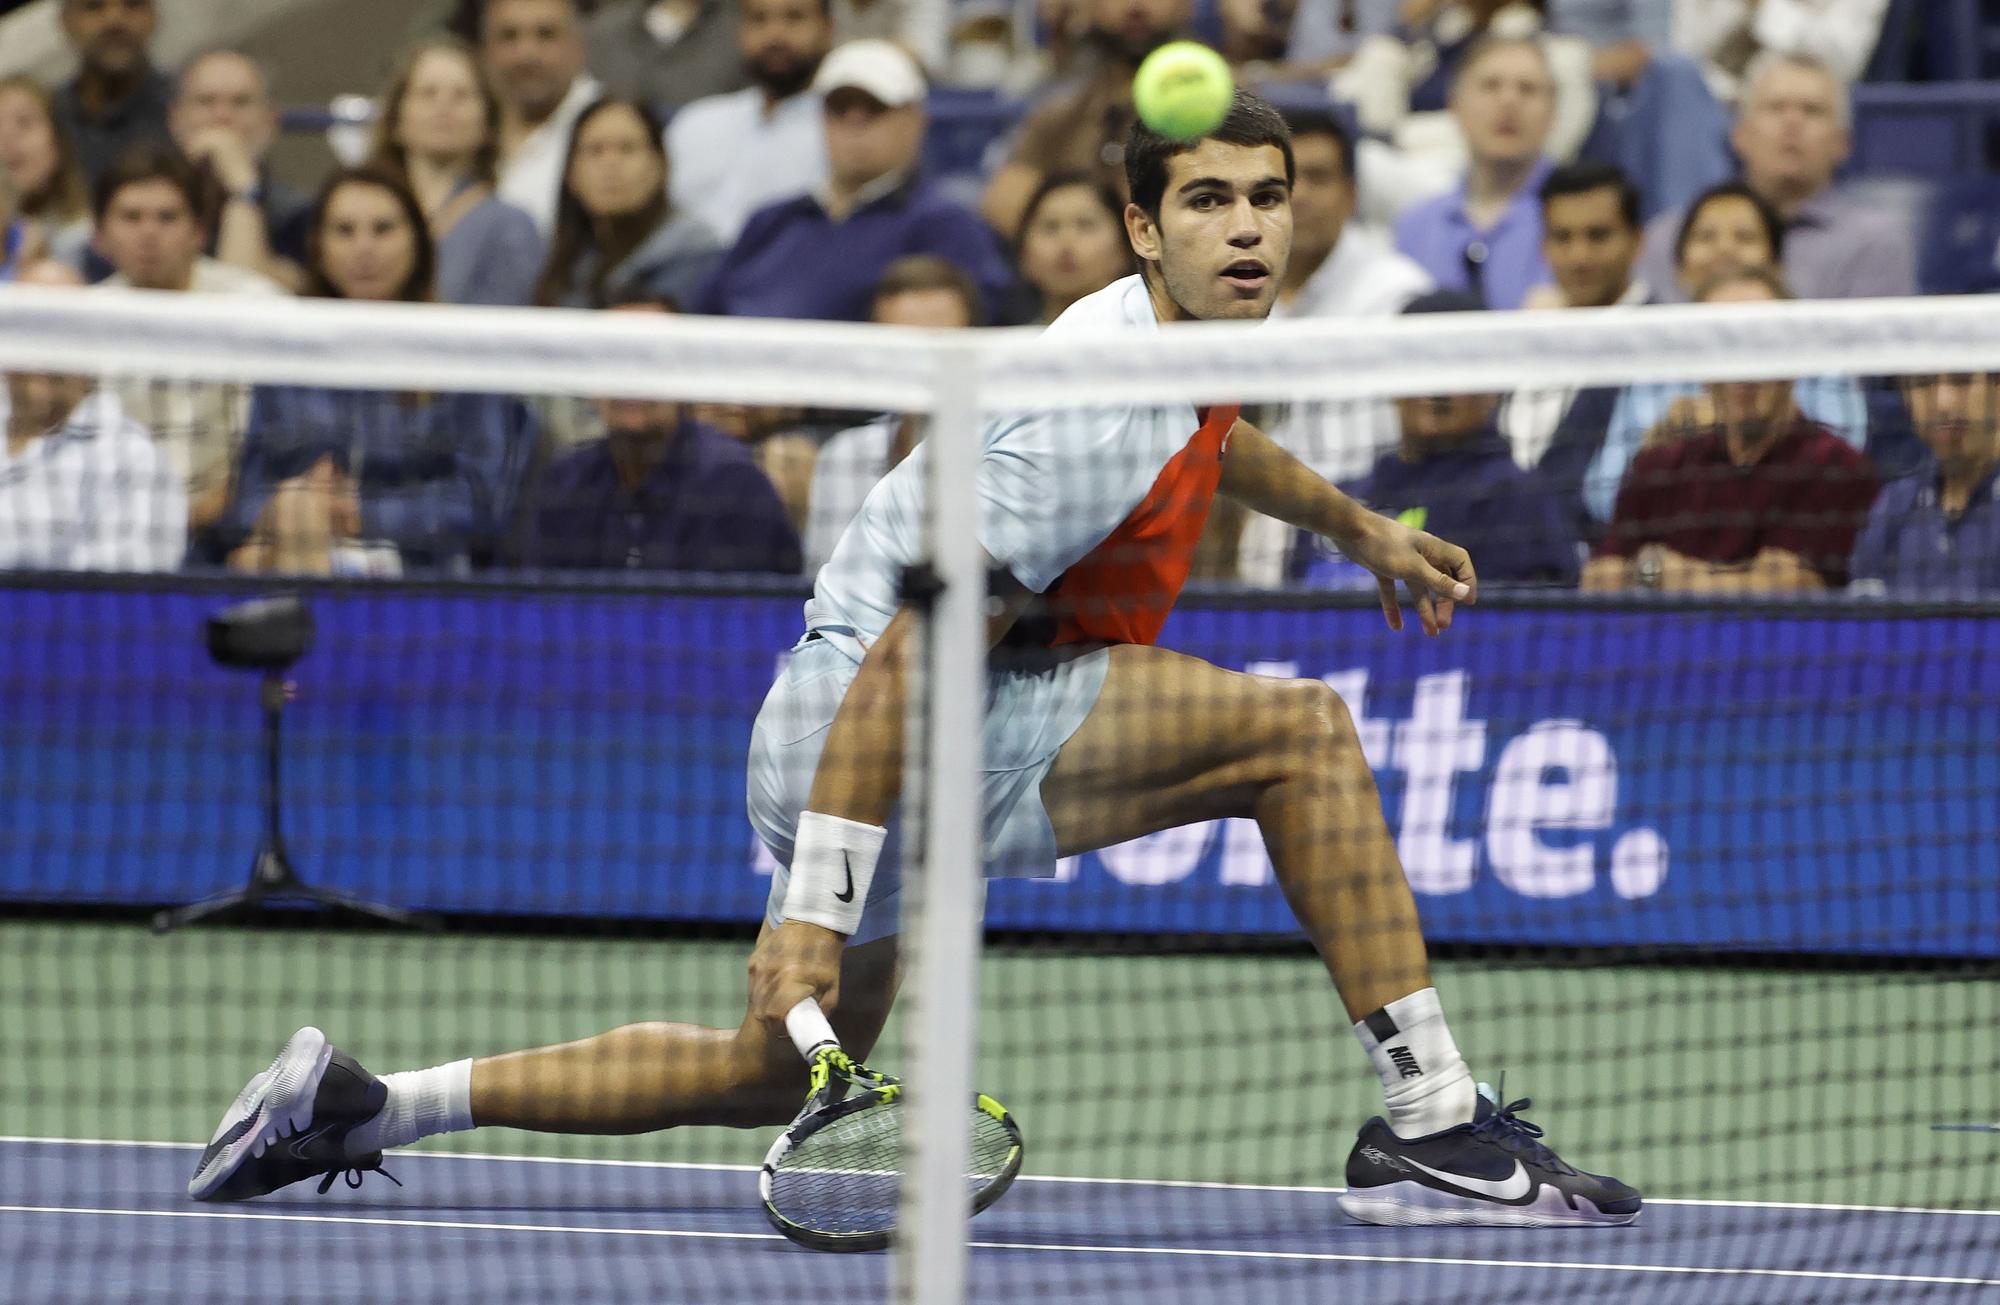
(1173,740)
(316,1113)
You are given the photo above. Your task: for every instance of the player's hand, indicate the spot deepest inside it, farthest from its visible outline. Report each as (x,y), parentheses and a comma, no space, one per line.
(1439,574)
(792,962)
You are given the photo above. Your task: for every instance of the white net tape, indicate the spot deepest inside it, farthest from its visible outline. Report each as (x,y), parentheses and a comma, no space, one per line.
(570,353)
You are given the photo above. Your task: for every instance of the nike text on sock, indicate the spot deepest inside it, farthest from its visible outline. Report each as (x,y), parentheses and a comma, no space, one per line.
(422,1103)
(1425,1083)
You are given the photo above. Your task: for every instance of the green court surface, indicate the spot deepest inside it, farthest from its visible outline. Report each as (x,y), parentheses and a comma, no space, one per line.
(1728,1083)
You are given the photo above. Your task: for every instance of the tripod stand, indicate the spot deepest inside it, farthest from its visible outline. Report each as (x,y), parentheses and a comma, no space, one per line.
(269,635)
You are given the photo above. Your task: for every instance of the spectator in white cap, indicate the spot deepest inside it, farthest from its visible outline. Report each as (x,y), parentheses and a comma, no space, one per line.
(820,255)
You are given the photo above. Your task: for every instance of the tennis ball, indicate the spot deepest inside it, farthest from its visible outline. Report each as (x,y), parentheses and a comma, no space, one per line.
(1183,90)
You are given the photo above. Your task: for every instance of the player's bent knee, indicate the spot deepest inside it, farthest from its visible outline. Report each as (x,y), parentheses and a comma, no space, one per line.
(1319,723)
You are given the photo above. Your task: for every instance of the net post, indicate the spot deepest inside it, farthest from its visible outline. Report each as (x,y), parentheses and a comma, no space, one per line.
(943,826)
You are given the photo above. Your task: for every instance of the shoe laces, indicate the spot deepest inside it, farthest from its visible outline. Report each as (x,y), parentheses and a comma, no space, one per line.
(354,1175)
(1506,1129)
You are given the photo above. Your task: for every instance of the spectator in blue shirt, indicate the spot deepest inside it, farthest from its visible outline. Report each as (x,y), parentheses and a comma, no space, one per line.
(660,491)
(820,255)
(1453,473)
(617,236)
(1485,235)
(1657,119)
(397,480)
(1938,531)
(439,130)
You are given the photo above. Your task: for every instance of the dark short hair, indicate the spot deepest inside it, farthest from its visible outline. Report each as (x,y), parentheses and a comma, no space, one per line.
(151,161)
(1588,178)
(420,286)
(1774,226)
(1319,122)
(918,272)
(1250,121)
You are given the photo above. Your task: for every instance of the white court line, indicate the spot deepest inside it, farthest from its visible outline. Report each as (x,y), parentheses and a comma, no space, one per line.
(1213,1253)
(1827,1207)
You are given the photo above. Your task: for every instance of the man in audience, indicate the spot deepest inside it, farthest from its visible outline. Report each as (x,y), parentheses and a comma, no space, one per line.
(1590,237)
(1082,127)
(224,121)
(1938,531)
(117,99)
(1338,268)
(1760,501)
(1792,134)
(921,290)
(149,228)
(820,255)
(660,491)
(82,488)
(730,155)
(535,50)
(665,52)
(1453,474)
(1485,236)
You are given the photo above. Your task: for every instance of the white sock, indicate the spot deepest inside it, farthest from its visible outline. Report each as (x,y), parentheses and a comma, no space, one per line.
(1424,1081)
(422,1103)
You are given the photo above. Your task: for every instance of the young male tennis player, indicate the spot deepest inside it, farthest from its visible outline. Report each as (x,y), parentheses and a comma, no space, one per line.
(1092,736)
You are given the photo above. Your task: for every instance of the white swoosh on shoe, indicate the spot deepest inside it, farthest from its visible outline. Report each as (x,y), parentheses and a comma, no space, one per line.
(1511,1188)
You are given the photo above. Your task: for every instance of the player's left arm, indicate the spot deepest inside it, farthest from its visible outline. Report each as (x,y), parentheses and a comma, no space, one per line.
(1263,477)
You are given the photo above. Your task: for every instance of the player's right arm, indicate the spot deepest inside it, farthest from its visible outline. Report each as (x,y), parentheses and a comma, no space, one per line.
(1262,476)
(856,786)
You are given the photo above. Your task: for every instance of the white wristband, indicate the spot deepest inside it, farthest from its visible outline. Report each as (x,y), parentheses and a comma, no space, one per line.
(833,862)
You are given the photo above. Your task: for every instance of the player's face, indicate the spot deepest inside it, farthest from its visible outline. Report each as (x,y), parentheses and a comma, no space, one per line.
(1958,418)
(1224,233)
(1589,246)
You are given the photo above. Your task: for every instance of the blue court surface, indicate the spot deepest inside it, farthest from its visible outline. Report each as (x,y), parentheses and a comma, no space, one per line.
(100,1222)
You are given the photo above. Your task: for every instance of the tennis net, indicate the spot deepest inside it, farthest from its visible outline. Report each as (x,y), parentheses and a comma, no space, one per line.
(1698,801)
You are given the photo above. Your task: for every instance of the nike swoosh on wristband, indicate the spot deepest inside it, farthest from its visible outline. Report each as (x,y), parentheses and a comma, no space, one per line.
(846,894)
(1511,1188)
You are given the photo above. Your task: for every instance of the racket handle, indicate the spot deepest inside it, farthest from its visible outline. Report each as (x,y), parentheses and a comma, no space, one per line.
(809,1028)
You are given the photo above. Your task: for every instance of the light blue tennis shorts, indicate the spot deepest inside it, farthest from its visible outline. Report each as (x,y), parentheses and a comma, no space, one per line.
(1033,706)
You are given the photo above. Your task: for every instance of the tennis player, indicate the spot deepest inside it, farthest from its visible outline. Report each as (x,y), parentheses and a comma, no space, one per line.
(1092,736)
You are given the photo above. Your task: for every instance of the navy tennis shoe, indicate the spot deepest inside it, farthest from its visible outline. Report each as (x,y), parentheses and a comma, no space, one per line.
(290,1123)
(1491,1172)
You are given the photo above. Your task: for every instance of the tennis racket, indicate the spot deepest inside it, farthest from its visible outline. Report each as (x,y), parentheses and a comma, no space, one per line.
(833,1180)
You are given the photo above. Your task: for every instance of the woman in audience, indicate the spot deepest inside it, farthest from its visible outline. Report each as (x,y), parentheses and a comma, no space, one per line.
(616,236)
(1072,242)
(369,481)
(51,201)
(439,132)
(1727,226)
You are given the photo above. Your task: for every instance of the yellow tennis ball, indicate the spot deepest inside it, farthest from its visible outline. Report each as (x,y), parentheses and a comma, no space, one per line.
(1183,90)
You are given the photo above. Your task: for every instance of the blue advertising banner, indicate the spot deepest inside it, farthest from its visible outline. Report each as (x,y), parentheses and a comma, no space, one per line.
(1558,775)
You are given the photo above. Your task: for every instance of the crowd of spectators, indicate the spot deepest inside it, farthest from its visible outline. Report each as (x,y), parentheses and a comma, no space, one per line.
(765,158)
